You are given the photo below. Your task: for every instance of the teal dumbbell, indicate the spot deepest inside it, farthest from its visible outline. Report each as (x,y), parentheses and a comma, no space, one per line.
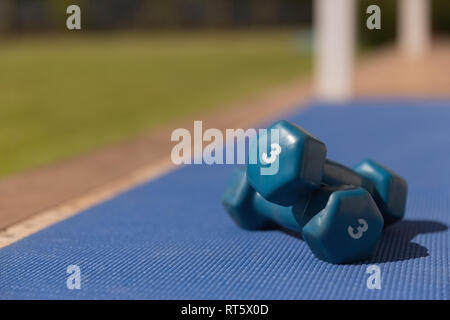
(303,168)
(390,190)
(340,224)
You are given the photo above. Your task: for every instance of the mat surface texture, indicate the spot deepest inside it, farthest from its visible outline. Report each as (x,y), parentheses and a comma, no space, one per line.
(171,239)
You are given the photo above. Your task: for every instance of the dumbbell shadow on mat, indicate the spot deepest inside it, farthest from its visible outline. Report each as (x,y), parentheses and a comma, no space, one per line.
(303,168)
(340,224)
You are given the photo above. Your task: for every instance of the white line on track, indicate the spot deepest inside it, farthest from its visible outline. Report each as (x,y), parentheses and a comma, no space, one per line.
(69,208)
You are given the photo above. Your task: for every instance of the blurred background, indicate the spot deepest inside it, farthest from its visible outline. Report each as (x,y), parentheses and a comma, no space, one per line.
(139,64)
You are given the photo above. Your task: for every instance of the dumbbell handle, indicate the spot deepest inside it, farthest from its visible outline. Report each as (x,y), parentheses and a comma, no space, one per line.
(305,209)
(284,217)
(276,214)
(335,173)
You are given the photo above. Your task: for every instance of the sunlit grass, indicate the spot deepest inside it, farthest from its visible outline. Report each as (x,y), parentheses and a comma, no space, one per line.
(62,96)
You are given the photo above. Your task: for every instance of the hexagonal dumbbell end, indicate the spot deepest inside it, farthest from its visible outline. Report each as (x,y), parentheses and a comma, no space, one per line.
(391,189)
(238,201)
(296,157)
(347,229)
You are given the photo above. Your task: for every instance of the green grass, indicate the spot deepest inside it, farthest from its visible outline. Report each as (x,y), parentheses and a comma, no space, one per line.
(65,95)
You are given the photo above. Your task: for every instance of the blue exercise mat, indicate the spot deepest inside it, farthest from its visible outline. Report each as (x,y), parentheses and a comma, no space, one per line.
(171,239)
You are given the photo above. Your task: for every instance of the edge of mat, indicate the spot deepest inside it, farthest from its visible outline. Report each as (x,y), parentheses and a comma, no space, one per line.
(74,206)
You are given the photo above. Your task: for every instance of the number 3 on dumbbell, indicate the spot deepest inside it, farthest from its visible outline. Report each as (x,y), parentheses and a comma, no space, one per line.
(359,230)
(274,152)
